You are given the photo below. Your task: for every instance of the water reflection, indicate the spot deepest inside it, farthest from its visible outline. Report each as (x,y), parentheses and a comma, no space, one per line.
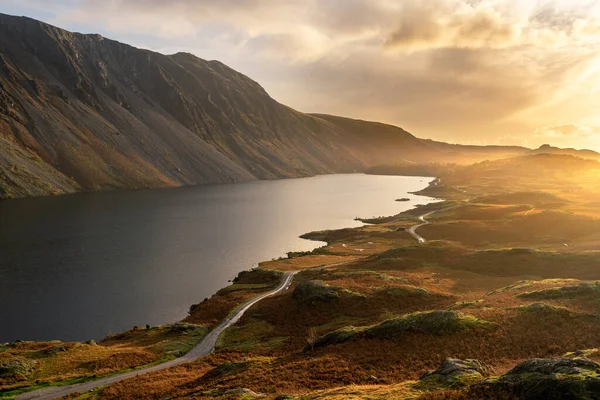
(82,266)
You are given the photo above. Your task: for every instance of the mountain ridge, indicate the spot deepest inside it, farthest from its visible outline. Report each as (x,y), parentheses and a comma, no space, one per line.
(80,112)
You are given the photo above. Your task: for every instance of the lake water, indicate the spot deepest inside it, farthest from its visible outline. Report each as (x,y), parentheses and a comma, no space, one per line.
(82,266)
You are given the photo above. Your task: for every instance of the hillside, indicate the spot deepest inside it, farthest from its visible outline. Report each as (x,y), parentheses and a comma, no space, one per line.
(82,112)
(547,149)
(500,301)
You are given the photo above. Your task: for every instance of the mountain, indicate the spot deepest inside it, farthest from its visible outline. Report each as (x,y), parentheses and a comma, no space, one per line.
(82,112)
(547,149)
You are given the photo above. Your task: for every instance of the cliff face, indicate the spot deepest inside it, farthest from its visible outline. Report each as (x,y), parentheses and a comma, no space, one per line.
(81,112)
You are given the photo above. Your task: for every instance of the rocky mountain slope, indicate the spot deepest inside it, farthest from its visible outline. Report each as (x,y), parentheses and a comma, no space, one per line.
(82,112)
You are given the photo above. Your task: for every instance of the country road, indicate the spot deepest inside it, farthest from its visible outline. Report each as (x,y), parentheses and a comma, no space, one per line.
(413,229)
(204,348)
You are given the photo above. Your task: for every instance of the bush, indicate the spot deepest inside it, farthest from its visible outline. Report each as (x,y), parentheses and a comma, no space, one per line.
(312,291)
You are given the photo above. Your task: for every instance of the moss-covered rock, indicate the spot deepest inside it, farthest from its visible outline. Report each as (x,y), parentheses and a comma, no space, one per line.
(338,336)
(313,291)
(565,292)
(581,353)
(432,322)
(542,308)
(453,373)
(553,378)
(227,369)
(16,369)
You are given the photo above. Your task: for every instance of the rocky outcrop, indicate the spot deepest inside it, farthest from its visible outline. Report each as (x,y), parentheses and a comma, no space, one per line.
(315,291)
(566,292)
(431,322)
(454,373)
(15,370)
(552,378)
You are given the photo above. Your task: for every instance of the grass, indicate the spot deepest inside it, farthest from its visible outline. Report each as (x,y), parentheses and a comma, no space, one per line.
(541,308)
(57,363)
(11,393)
(565,292)
(432,322)
(250,336)
(510,273)
(315,291)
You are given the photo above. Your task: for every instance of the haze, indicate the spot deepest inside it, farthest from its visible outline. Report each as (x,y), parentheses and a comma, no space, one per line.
(472,71)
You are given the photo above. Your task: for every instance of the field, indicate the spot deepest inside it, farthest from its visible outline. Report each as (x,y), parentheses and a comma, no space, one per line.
(510,272)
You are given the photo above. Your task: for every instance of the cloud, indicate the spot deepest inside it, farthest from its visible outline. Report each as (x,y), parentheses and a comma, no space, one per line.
(567,131)
(488,24)
(459,70)
(443,24)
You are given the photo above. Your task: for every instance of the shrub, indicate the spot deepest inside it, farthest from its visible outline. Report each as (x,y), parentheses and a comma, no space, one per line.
(312,291)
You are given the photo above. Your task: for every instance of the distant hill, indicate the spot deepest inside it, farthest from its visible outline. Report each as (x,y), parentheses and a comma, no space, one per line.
(547,149)
(82,112)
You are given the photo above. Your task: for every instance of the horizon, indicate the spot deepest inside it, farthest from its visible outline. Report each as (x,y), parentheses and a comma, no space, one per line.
(526,73)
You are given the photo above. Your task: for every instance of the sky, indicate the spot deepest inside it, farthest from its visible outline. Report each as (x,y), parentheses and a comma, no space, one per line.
(522,72)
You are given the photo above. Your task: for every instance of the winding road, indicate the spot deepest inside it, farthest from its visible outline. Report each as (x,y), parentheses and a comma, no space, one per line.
(204,348)
(413,229)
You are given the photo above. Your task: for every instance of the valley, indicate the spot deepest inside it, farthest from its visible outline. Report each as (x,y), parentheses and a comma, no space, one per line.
(505,275)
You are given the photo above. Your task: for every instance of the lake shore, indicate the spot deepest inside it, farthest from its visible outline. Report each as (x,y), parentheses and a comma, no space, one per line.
(485,286)
(150,254)
(148,345)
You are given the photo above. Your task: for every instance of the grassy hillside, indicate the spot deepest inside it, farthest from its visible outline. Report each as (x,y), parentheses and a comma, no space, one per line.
(501,301)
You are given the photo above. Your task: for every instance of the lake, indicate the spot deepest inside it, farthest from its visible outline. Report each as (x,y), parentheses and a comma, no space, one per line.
(82,266)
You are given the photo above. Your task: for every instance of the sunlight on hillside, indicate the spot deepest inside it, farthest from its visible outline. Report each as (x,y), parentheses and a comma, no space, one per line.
(298,200)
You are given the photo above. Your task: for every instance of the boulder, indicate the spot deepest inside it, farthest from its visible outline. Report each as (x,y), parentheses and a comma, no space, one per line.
(566,292)
(453,373)
(17,369)
(431,322)
(312,291)
(551,378)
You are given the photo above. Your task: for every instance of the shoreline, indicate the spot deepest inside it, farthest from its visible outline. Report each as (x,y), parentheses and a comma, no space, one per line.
(484,288)
(314,244)
(305,235)
(140,189)
(207,345)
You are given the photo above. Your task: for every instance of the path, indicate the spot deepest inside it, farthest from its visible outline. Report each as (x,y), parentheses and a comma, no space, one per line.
(413,229)
(204,348)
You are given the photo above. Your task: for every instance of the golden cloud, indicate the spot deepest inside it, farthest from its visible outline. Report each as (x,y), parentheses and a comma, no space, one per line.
(460,70)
